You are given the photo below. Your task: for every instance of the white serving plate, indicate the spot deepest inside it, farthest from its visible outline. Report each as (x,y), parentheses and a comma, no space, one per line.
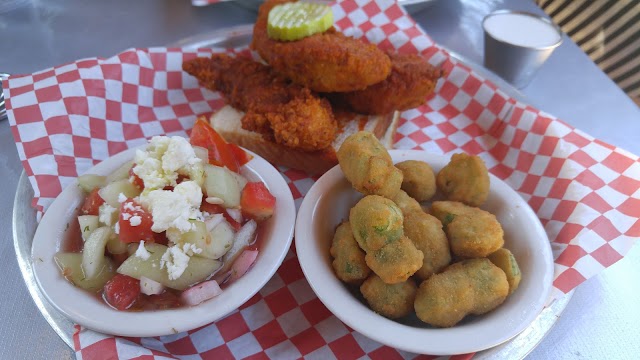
(90,311)
(327,204)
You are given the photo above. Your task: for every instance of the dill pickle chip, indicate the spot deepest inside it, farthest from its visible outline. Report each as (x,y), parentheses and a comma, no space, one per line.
(294,21)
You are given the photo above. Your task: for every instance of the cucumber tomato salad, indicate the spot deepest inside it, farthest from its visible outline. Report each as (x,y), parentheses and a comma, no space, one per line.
(170,228)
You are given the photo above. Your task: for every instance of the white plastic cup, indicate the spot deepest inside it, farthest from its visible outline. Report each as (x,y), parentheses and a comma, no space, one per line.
(516,44)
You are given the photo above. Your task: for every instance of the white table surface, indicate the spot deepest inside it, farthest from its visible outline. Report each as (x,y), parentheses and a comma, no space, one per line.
(601,321)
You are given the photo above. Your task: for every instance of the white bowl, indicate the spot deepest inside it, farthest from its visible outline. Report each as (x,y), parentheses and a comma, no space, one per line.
(91,312)
(327,204)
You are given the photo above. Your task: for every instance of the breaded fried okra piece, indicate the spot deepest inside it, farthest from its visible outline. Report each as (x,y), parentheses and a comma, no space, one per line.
(375,221)
(389,300)
(473,286)
(406,203)
(368,166)
(425,231)
(505,260)
(348,259)
(395,262)
(419,181)
(472,232)
(464,179)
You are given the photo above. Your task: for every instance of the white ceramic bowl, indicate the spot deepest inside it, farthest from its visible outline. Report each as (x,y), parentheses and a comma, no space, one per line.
(327,204)
(91,312)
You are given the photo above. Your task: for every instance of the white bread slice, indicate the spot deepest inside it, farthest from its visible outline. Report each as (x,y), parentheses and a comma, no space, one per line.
(227,122)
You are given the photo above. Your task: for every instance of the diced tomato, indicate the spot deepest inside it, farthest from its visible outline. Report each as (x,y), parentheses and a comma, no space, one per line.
(241,156)
(136,180)
(257,202)
(217,209)
(166,300)
(121,291)
(92,203)
(119,258)
(161,238)
(220,153)
(130,211)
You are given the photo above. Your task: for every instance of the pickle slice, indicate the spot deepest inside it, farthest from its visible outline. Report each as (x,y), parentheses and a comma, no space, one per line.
(294,21)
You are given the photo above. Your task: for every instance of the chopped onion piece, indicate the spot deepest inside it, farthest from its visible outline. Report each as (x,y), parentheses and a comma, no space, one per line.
(247,233)
(201,292)
(213,221)
(150,287)
(242,264)
(235,214)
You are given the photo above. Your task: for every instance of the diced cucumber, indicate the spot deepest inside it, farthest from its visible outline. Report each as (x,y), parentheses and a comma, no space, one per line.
(112,190)
(120,173)
(196,173)
(214,244)
(93,252)
(116,246)
(199,268)
(88,223)
(201,153)
(221,183)
(88,182)
(70,265)
(221,240)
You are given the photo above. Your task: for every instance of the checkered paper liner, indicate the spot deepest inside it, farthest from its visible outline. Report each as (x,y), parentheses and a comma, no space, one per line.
(585,192)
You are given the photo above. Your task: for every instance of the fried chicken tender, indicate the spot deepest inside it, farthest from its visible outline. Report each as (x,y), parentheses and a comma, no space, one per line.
(375,222)
(389,300)
(412,79)
(395,262)
(286,113)
(472,232)
(465,179)
(425,231)
(348,259)
(469,287)
(368,166)
(323,62)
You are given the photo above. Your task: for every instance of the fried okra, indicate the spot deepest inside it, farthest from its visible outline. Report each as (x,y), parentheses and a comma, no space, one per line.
(389,300)
(368,166)
(505,260)
(406,203)
(425,231)
(395,262)
(464,179)
(375,221)
(348,259)
(473,286)
(419,181)
(472,232)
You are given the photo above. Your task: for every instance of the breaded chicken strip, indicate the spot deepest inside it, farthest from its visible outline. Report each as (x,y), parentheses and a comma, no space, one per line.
(324,62)
(286,113)
(412,79)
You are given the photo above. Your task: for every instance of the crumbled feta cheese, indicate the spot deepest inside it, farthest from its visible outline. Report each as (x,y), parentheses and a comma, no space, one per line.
(190,249)
(122,198)
(142,252)
(174,208)
(162,161)
(175,261)
(105,214)
(126,216)
(135,220)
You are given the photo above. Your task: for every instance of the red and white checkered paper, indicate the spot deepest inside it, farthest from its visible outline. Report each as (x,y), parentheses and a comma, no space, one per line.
(585,192)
